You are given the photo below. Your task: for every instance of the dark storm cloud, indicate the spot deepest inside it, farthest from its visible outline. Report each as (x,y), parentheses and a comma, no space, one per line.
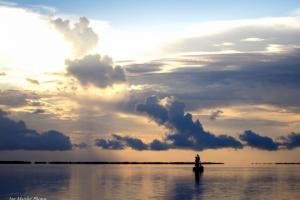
(255,140)
(291,141)
(96,70)
(154,109)
(158,145)
(81,35)
(120,142)
(14,135)
(185,133)
(112,144)
(222,80)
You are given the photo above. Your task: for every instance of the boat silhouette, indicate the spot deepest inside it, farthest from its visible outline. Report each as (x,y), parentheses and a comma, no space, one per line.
(198,168)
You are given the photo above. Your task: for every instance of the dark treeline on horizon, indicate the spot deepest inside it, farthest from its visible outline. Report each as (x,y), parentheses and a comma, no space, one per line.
(277,163)
(101,162)
(134,163)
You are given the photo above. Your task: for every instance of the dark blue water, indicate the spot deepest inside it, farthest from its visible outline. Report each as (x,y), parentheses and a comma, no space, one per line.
(149,182)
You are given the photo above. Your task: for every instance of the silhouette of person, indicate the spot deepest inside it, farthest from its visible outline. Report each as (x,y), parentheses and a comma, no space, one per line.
(197,161)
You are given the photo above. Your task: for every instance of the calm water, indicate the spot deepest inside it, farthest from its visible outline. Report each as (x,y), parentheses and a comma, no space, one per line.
(149,182)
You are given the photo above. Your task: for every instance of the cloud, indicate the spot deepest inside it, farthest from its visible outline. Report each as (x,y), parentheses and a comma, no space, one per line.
(154,109)
(210,81)
(255,140)
(291,141)
(33,81)
(253,39)
(14,135)
(157,145)
(120,142)
(81,145)
(142,68)
(95,70)
(2,74)
(16,98)
(38,111)
(80,34)
(134,143)
(8,3)
(185,133)
(38,51)
(215,114)
(247,35)
(113,144)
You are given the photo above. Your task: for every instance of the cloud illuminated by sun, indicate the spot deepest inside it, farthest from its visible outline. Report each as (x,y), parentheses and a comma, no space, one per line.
(29,43)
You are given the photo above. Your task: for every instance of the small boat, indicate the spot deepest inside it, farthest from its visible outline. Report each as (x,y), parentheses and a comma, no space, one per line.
(198,169)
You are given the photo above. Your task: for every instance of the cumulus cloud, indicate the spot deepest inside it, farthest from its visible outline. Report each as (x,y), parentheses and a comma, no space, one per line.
(112,144)
(80,34)
(185,132)
(120,142)
(117,142)
(95,70)
(255,140)
(158,145)
(290,141)
(14,135)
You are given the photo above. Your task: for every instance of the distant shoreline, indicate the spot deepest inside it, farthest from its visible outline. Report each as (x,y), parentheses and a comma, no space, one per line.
(106,163)
(277,163)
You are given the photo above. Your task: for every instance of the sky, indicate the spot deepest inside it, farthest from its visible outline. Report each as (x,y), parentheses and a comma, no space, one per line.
(150,80)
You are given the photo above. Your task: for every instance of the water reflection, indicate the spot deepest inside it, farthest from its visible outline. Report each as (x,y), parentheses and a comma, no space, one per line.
(149,182)
(30,180)
(183,188)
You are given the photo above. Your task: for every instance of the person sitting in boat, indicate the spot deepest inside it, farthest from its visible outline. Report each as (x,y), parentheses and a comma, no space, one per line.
(197,161)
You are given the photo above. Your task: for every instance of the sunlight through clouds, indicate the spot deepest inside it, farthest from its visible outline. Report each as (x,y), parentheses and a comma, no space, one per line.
(86,75)
(28,43)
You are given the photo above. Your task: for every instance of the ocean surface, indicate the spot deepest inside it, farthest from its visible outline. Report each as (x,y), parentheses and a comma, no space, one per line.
(90,182)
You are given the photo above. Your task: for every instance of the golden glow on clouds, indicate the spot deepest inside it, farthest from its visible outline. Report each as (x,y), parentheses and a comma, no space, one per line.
(265,119)
(30,46)
(28,43)
(258,111)
(261,112)
(275,48)
(136,45)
